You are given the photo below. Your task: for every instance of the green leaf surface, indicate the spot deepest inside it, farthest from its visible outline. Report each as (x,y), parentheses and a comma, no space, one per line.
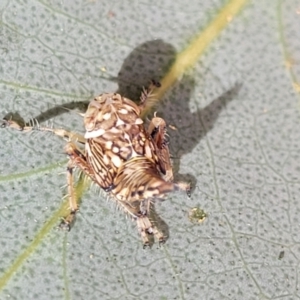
(230,74)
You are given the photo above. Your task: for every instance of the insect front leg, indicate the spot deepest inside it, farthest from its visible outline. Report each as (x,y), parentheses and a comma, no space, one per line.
(72,136)
(77,159)
(69,219)
(145,228)
(140,211)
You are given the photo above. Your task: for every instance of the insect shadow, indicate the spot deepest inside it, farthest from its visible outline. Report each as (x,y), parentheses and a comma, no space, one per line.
(50,113)
(151,60)
(191,127)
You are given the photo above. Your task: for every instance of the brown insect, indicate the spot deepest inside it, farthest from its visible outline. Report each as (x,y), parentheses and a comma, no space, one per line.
(131,163)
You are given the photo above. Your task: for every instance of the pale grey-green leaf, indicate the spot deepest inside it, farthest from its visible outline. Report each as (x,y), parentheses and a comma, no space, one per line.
(237,140)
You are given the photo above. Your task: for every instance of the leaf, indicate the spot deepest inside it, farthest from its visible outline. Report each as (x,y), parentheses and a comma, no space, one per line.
(234,101)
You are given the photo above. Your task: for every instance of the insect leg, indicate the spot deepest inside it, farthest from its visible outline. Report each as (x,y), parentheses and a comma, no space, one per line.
(69,219)
(145,227)
(77,159)
(31,127)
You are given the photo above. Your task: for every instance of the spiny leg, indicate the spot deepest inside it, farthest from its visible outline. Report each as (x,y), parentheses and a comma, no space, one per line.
(77,159)
(145,228)
(72,136)
(140,211)
(69,219)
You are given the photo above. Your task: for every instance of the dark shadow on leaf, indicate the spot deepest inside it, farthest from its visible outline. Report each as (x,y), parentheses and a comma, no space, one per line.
(16,117)
(190,127)
(150,60)
(159,222)
(50,113)
(61,109)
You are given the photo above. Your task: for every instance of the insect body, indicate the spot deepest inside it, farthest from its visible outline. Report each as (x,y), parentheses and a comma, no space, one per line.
(130,163)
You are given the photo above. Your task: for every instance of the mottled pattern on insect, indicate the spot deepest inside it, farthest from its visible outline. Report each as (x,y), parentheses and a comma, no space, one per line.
(131,163)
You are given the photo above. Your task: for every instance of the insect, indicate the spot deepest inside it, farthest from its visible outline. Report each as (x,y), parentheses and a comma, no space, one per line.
(129,162)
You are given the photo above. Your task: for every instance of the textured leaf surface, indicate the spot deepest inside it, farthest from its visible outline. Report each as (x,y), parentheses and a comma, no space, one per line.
(236,111)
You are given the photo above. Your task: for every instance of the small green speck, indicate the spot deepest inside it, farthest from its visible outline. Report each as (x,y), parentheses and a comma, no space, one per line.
(197,215)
